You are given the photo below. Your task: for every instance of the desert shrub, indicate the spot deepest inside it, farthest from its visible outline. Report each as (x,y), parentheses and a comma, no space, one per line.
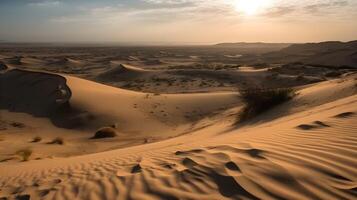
(17,124)
(24,154)
(261,65)
(3,66)
(57,140)
(259,100)
(136,169)
(300,77)
(333,74)
(273,75)
(105,132)
(36,139)
(115,125)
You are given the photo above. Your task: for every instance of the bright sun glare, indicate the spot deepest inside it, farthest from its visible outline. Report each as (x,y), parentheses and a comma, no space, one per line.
(251,7)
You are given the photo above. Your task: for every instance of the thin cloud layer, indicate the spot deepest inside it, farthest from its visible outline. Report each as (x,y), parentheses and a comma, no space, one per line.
(152,20)
(44,3)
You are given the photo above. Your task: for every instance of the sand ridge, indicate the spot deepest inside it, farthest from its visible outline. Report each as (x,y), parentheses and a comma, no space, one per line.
(76,115)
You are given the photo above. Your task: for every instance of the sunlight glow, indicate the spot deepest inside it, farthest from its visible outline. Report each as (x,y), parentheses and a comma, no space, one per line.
(251,7)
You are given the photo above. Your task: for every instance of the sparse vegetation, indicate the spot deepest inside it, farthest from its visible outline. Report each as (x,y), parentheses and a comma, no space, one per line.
(17,124)
(259,100)
(57,140)
(36,139)
(105,132)
(115,125)
(333,74)
(24,154)
(300,77)
(3,66)
(136,169)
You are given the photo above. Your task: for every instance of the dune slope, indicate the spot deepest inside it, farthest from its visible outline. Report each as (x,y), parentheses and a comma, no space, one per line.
(49,106)
(307,154)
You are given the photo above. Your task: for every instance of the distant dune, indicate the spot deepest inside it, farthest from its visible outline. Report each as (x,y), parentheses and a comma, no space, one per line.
(253,44)
(314,48)
(256,45)
(64,61)
(120,70)
(335,54)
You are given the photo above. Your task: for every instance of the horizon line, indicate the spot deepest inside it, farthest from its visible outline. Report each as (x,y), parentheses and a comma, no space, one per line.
(117,43)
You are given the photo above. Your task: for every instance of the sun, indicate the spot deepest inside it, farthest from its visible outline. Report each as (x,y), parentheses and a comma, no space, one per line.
(251,7)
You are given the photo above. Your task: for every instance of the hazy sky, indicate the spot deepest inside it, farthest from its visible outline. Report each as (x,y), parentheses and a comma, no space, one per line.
(177,21)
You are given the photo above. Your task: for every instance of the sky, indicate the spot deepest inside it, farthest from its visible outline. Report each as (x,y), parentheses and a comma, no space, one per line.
(177,21)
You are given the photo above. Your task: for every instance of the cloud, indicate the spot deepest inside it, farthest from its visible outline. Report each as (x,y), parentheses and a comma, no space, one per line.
(176,11)
(45,3)
(306,8)
(320,6)
(164,11)
(279,11)
(179,20)
(168,1)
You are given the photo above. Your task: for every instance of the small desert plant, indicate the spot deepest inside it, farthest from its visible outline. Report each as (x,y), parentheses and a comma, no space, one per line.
(333,74)
(300,77)
(18,124)
(105,132)
(3,66)
(24,154)
(36,139)
(57,140)
(259,100)
(115,125)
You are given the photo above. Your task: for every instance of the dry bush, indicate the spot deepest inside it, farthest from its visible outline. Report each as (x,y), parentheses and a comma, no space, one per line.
(24,154)
(36,139)
(57,140)
(259,100)
(333,74)
(3,66)
(17,124)
(105,132)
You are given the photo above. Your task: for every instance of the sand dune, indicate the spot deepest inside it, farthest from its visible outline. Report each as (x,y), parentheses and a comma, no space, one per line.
(121,70)
(328,54)
(127,108)
(16,60)
(71,105)
(64,61)
(39,94)
(183,79)
(42,93)
(31,61)
(303,149)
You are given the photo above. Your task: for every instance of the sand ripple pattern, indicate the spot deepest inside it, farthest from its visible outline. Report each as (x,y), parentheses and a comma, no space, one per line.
(316,160)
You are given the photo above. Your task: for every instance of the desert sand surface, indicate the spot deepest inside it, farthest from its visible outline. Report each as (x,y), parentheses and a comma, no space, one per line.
(174,113)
